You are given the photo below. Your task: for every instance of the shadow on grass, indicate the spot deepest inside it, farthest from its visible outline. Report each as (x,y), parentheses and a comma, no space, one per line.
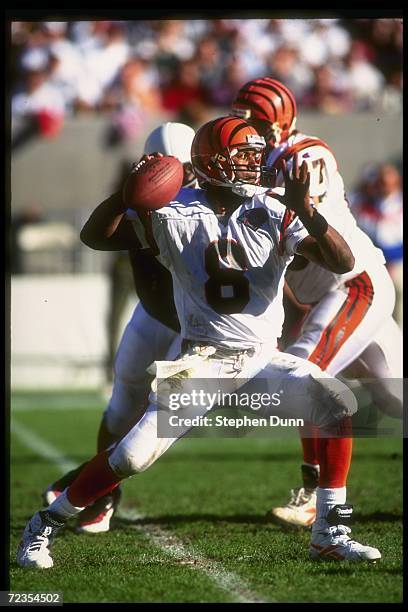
(274,459)
(377,517)
(119,522)
(351,569)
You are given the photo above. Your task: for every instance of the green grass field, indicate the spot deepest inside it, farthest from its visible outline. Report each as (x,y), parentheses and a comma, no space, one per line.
(192,527)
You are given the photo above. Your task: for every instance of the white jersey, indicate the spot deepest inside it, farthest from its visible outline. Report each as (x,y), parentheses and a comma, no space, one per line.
(228,275)
(311,283)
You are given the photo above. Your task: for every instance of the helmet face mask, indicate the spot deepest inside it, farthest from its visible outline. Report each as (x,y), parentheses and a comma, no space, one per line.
(228,152)
(269,106)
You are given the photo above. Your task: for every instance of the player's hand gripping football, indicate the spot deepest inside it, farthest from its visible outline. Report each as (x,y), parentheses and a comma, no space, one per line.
(136,165)
(297,196)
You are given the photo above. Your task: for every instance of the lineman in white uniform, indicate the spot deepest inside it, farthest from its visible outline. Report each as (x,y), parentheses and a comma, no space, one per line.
(151,331)
(351,314)
(227,250)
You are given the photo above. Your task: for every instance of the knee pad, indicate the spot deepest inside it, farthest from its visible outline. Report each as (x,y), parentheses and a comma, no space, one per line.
(332,401)
(125,463)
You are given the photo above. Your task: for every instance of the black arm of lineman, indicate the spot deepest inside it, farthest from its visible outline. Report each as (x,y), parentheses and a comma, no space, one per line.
(107,229)
(330,251)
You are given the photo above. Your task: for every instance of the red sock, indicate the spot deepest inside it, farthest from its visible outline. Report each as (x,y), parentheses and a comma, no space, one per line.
(96,479)
(334,456)
(308,439)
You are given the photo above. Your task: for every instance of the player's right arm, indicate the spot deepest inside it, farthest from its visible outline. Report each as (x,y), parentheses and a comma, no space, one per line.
(107,229)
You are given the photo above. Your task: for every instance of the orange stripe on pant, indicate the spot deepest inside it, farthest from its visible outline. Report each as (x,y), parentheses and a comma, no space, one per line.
(350,315)
(334,454)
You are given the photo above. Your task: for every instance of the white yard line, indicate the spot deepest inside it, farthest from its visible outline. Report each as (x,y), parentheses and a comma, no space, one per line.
(170,544)
(174,546)
(42,447)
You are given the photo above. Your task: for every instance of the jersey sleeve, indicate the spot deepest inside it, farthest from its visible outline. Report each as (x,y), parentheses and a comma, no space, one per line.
(150,234)
(137,225)
(293,235)
(288,229)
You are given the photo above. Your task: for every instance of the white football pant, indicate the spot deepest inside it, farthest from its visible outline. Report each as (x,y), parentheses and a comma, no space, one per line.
(144,340)
(308,393)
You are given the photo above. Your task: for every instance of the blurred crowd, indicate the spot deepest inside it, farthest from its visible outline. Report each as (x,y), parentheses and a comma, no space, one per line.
(135,69)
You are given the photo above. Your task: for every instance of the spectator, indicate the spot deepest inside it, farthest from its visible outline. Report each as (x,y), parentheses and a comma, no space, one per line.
(36,103)
(133,99)
(210,63)
(66,68)
(361,77)
(102,66)
(286,65)
(377,205)
(391,96)
(233,76)
(324,95)
(241,46)
(386,42)
(184,97)
(325,41)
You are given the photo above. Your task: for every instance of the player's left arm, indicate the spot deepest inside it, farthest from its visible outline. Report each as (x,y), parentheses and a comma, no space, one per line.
(324,245)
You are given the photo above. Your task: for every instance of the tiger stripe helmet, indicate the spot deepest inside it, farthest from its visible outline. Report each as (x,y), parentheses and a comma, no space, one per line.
(270,106)
(213,148)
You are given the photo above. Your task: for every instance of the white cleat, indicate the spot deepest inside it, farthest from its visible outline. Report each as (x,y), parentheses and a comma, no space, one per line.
(99,524)
(33,550)
(96,518)
(50,495)
(300,511)
(332,542)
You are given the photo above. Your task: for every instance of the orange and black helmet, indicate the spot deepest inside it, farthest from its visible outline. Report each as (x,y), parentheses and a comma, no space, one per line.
(214,147)
(268,105)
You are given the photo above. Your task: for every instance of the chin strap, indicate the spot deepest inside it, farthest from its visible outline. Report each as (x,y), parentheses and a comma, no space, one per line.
(247,190)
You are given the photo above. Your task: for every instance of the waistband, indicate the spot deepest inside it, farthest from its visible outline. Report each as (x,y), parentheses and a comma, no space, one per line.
(187,344)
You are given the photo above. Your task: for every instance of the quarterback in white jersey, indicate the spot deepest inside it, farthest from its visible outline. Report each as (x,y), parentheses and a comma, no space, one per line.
(151,331)
(227,253)
(349,326)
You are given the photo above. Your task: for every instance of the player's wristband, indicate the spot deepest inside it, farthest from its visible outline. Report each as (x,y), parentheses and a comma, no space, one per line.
(317,225)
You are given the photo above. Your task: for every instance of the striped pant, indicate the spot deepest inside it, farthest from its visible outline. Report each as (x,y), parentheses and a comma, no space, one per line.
(350,318)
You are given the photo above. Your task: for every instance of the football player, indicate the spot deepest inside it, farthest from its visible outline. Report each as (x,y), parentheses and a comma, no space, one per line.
(227,247)
(152,329)
(347,318)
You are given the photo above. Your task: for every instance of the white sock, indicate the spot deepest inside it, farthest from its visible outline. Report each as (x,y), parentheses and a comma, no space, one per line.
(326,499)
(63,507)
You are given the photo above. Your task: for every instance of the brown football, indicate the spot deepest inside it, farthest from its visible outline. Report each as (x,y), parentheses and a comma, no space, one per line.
(154,184)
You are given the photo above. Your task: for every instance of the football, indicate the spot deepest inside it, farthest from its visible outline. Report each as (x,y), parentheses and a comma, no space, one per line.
(153,183)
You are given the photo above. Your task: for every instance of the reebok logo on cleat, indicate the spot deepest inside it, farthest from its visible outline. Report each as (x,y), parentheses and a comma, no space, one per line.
(340,514)
(50,520)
